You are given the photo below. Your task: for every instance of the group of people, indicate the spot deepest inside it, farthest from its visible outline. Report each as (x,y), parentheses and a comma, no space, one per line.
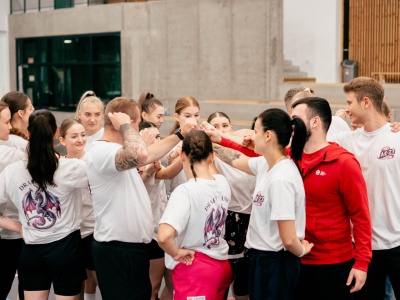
(301,207)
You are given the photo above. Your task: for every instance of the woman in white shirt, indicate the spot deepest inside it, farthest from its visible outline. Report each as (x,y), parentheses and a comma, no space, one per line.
(277,223)
(47,193)
(90,112)
(21,108)
(72,135)
(192,227)
(237,221)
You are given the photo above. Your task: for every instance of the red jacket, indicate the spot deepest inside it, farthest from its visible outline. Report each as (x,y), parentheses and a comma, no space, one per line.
(336,194)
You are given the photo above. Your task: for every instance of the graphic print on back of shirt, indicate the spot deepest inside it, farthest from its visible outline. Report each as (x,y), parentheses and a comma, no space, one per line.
(214,224)
(42,209)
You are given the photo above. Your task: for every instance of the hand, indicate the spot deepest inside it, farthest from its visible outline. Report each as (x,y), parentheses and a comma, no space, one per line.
(118,118)
(157,165)
(147,136)
(395,126)
(141,169)
(341,113)
(152,168)
(173,155)
(184,256)
(359,276)
(211,131)
(248,142)
(188,125)
(308,246)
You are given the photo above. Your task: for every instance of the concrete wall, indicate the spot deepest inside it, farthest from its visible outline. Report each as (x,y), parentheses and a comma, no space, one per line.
(211,49)
(4,62)
(313,37)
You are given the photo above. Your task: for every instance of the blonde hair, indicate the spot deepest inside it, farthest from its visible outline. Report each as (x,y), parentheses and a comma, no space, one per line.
(88,97)
(303,94)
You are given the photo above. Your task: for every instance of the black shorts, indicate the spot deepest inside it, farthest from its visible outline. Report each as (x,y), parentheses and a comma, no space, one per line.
(87,252)
(59,263)
(122,270)
(155,251)
(236,225)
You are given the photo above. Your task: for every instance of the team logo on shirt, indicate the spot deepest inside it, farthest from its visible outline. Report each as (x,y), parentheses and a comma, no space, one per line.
(320,173)
(42,210)
(387,153)
(213,226)
(258,199)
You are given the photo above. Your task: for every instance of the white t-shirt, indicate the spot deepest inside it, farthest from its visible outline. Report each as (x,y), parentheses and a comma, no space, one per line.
(9,155)
(94,137)
(16,142)
(51,215)
(337,125)
(278,195)
(179,178)
(10,210)
(121,205)
(87,225)
(378,153)
(158,198)
(242,187)
(197,210)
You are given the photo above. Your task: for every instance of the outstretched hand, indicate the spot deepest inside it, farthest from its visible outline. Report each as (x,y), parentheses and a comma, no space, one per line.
(211,131)
(188,125)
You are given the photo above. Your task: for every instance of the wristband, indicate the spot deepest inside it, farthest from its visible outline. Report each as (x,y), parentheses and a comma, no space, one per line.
(179,134)
(304,251)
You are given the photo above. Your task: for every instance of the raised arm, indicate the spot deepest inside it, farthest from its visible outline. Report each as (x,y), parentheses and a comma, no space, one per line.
(171,171)
(233,158)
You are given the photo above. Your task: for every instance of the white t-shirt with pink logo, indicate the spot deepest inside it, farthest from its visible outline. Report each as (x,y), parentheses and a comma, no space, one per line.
(379,155)
(279,195)
(197,210)
(50,215)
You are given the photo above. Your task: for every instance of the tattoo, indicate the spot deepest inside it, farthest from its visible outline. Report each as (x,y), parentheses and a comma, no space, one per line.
(128,156)
(227,155)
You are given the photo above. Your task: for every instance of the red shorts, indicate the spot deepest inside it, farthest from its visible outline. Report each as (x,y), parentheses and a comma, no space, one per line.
(205,279)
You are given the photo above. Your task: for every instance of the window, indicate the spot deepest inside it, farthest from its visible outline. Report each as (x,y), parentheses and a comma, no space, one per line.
(56,71)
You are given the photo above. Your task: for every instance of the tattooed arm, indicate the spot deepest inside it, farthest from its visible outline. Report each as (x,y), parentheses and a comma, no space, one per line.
(233,158)
(9,224)
(133,152)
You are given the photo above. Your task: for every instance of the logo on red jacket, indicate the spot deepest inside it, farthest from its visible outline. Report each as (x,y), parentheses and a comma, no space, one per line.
(258,199)
(387,153)
(320,173)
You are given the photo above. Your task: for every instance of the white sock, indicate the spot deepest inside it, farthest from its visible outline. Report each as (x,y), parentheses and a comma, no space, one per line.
(90,296)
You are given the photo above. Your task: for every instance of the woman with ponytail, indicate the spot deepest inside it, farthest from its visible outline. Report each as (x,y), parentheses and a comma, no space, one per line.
(47,193)
(193,225)
(275,237)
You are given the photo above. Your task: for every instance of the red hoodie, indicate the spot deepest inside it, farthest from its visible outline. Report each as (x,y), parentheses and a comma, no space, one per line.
(336,194)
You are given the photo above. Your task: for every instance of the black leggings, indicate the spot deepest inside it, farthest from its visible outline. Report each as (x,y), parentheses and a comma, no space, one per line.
(10,251)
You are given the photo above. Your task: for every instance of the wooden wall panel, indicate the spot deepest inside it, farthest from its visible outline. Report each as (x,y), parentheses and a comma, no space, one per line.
(374,37)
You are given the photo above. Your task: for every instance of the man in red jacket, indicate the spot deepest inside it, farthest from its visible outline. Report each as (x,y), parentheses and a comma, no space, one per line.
(336,199)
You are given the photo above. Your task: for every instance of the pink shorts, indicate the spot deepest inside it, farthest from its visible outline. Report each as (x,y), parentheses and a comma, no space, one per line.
(205,279)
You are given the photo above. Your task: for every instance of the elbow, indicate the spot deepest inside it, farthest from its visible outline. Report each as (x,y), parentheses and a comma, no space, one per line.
(142,157)
(288,243)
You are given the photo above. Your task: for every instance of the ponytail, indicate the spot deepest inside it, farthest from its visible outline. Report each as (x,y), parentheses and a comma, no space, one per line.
(197,146)
(298,139)
(42,157)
